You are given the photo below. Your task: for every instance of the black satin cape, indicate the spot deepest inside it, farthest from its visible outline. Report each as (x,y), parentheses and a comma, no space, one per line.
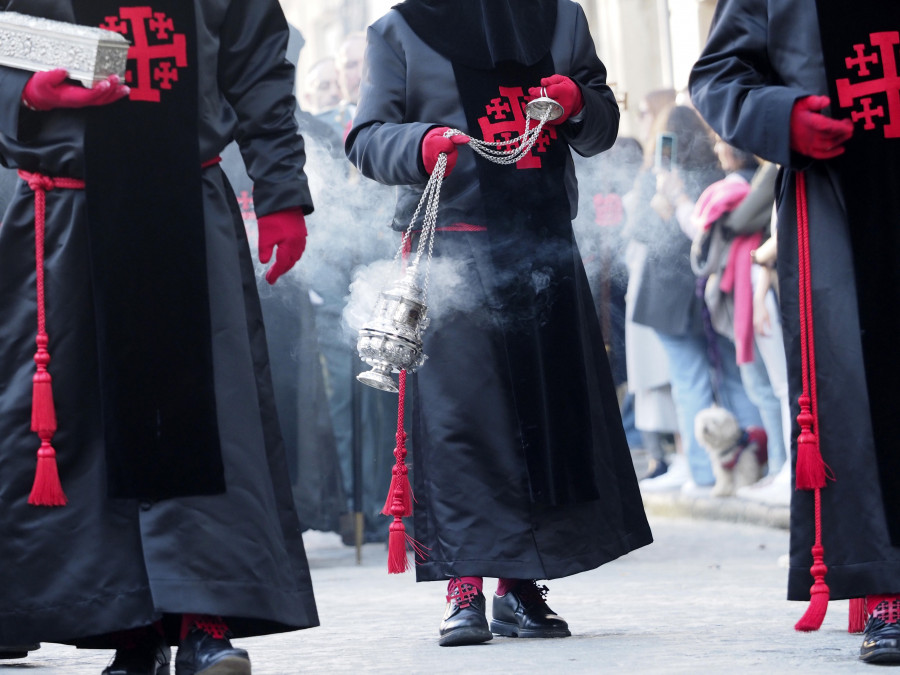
(148,262)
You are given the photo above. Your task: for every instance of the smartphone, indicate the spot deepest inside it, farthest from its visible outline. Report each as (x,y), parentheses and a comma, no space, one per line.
(665,151)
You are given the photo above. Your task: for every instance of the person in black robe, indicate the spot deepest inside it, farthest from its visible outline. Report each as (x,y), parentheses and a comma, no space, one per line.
(160,512)
(521,466)
(794,82)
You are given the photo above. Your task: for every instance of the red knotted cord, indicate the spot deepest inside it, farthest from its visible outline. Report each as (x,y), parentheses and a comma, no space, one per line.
(399,502)
(47,489)
(811,470)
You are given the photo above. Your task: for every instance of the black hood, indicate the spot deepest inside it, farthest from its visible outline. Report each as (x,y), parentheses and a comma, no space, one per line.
(483,33)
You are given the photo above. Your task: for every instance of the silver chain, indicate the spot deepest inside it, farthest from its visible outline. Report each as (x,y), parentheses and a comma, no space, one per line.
(499,152)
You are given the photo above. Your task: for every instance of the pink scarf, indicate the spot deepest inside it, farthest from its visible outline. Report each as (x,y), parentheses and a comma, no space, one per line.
(736,279)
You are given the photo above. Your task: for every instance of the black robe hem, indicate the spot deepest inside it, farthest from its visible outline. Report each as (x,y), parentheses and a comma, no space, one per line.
(442,570)
(66,623)
(275,611)
(848,581)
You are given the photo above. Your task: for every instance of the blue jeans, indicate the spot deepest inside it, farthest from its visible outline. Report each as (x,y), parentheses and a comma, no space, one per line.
(631,434)
(760,391)
(694,389)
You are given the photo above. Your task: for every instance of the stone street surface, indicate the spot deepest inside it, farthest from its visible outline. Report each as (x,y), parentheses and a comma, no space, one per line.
(706,597)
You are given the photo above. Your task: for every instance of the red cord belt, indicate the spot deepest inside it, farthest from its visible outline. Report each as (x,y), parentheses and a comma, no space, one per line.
(47,489)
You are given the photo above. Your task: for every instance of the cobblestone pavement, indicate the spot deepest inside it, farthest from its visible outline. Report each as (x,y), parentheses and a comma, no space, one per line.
(706,597)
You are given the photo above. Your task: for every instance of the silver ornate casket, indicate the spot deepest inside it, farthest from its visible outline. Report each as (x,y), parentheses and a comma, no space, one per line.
(33,43)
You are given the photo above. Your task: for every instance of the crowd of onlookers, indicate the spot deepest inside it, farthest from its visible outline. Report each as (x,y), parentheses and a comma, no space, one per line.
(682,268)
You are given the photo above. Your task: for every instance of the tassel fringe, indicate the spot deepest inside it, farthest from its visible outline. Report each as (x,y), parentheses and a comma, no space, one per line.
(858,616)
(47,489)
(819,594)
(398,562)
(810,470)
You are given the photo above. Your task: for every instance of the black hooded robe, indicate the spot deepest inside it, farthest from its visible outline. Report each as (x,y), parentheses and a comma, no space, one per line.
(100,565)
(756,64)
(480,506)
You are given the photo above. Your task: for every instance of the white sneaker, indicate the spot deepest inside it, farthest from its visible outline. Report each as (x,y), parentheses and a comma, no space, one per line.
(677,475)
(773,490)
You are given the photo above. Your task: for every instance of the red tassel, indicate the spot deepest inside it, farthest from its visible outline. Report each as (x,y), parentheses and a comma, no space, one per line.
(399,502)
(47,490)
(810,470)
(858,615)
(819,594)
(398,562)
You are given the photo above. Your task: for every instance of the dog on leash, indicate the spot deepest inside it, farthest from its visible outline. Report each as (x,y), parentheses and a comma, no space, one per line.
(738,456)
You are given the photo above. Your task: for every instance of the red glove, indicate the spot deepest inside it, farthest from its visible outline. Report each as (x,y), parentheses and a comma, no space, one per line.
(562,90)
(814,134)
(287,230)
(47,90)
(434,143)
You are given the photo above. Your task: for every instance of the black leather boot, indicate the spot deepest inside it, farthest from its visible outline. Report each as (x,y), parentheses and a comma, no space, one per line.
(523,612)
(881,642)
(209,652)
(464,621)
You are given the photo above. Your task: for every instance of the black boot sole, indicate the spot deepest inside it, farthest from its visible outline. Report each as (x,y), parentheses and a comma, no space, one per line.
(467,635)
(884,655)
(230,665)
(507,629)
(18,651)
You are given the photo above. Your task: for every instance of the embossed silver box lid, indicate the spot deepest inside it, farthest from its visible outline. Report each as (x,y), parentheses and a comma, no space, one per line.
(34,43)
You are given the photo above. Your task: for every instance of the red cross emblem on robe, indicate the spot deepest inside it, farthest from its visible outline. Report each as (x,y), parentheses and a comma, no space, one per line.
(156,52)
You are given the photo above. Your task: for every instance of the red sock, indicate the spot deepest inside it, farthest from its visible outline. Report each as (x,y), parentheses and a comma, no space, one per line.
(504,586)
(214,625)
(884,607)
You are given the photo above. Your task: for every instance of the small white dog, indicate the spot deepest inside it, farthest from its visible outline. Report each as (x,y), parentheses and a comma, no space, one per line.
(738,456)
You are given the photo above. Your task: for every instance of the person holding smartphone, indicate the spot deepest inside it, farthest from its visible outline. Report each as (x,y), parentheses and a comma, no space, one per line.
(667,299)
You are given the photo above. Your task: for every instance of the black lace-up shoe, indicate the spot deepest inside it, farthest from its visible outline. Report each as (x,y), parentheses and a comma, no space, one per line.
(203,654)
(464,620)
(150,656)
(17,651)
(881,642)
(523,612)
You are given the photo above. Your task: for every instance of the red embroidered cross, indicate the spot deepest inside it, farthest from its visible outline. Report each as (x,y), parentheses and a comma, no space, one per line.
(888,611)
(161,25)
(888,84)
(152,63)
(861,60)
(542,143)
(165,74)
(497,126)
(497,107)
(868,112)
